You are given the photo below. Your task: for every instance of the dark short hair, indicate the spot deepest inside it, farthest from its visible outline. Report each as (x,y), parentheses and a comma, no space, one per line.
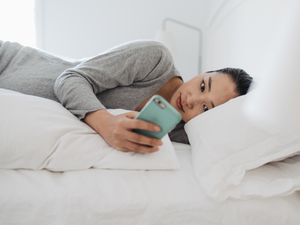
(240,78)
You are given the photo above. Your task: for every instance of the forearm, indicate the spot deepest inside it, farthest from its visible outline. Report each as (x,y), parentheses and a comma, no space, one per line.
(76,95)
(97,119)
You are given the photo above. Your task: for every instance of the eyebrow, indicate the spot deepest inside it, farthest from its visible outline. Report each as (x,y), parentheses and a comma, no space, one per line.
(209,84)
(209,88)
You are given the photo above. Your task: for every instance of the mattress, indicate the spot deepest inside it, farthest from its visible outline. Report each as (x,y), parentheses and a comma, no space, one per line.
(107,196)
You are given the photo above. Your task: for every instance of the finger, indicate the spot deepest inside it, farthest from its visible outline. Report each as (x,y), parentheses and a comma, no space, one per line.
(133,147)
(141,124)
(131,115)
(139,148)
(143,140)
(124,150)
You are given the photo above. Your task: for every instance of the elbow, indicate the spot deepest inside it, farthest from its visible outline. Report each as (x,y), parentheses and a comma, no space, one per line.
(159,49)
(58,86)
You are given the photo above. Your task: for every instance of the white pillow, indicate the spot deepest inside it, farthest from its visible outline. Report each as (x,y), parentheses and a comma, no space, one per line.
(272,179)
(225,144)
(38,133)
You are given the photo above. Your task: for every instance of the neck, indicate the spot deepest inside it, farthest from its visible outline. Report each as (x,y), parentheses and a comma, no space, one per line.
(166,91)
(170,87)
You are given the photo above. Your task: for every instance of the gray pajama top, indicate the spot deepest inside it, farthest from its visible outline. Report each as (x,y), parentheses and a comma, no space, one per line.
(122,77)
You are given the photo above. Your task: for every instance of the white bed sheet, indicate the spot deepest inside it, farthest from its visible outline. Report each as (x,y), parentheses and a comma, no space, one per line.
(97,196)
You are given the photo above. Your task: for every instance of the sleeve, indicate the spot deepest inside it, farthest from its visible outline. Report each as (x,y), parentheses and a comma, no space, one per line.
(123,65)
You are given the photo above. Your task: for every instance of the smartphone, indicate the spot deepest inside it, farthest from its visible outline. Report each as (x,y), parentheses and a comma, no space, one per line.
(160,112)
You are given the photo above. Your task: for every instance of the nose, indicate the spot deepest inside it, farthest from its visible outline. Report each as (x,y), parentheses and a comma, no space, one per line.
(193,100)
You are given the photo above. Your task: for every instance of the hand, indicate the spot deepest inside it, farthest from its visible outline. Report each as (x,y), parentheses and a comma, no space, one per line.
(117,131)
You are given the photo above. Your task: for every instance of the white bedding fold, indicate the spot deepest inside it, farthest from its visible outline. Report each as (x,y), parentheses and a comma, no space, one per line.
(121,197)
(38,133)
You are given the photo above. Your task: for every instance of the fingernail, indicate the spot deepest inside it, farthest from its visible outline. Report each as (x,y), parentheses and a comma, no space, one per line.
(159,143)
(156,128)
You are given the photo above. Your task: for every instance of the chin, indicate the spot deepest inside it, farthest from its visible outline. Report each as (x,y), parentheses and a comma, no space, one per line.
(187,119)
(184,119)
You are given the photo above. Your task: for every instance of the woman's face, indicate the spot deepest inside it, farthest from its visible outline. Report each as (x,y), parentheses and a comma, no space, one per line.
(202,93)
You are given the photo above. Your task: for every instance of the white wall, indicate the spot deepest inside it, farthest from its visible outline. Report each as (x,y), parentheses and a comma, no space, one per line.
(236,32)
(17,23)
(83,28)
(239,34)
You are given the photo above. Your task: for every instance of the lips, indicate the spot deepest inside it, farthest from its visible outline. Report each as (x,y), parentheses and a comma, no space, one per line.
(179,105)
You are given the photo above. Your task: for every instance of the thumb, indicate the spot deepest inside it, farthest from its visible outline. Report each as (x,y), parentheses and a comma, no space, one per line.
(131,115)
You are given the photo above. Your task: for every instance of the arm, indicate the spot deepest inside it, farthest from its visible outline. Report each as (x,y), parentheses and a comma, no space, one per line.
(141,61)
(76,89)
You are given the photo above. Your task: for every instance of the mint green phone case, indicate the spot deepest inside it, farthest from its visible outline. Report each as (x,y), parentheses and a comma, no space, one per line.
(158,111)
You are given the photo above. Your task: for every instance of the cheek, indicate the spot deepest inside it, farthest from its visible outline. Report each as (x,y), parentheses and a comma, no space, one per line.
(190,115)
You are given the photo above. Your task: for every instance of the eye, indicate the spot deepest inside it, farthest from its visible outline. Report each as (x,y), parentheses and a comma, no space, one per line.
(202,86)
(205,108)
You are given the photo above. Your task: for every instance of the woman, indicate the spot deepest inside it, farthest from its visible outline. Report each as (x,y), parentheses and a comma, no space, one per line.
(123,77)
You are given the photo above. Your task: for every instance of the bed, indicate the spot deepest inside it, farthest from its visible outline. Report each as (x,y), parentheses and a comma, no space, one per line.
(97,196)
(54,169)
(57,170)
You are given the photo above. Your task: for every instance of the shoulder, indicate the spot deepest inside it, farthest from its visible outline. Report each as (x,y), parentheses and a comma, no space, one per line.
(151,44)
(144,46)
